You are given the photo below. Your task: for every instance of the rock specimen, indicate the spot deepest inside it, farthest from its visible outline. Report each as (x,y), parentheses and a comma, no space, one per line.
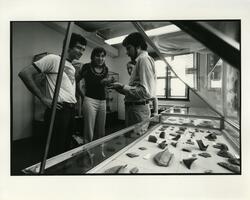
(162,135)
(142,148)
(225,154)
(221,146)
(188,162)
(152,138)
(204,154)
(134,170)
(163,158)
(234,161)
(132,155)
(201,145)
(232,168)
(116,169)
(163,144)
(182,128)
(211,137)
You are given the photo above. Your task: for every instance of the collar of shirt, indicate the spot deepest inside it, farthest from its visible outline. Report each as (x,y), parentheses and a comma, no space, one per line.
(142,54)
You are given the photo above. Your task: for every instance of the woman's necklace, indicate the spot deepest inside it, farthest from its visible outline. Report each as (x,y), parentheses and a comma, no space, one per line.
(97,73)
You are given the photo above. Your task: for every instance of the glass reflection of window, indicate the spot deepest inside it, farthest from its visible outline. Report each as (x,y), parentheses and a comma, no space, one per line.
(168,85)
(214,69)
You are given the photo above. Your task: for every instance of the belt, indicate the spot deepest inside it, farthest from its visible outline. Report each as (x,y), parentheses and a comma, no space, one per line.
(136,103)
(68,105)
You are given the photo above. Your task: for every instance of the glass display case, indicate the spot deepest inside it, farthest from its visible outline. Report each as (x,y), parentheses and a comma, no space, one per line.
(154,147)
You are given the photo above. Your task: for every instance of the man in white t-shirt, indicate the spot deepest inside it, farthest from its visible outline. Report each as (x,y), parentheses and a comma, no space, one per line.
(49,65)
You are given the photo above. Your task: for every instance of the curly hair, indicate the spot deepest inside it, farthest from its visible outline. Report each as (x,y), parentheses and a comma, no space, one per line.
(135,39)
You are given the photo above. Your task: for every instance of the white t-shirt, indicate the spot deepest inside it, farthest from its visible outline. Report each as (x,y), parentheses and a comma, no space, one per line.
(49,65)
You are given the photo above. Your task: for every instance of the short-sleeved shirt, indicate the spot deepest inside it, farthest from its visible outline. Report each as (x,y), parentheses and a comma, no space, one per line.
(49,65)
(93,86)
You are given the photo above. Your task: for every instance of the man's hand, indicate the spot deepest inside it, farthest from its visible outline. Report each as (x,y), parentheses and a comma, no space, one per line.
(116,86)
(48,103)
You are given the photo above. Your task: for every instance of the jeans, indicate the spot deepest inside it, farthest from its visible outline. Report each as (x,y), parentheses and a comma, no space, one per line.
(94,114)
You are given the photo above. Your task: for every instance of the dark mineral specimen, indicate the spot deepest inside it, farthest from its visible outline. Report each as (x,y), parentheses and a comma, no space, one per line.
(162,135)
(225,154)
(163,144)
(176,138)
(221,146)
(211,137)
(188,162)
(201,145)
(174,144)
(234,161)
(132,155)
(152,138)
(204,154)
(163,158)
(232,168)
(142,148)
(134,170)
(186,150)
(116,169)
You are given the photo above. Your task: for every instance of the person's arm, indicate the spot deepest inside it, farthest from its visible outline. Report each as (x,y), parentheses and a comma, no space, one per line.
(27,76)
(155,106)
(142,89)
(80,88)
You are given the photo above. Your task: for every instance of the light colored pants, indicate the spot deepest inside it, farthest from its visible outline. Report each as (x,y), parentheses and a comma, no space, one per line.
(136,113)
(94,113)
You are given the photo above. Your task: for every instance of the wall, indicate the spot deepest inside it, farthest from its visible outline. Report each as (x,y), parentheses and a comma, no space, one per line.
(29,39)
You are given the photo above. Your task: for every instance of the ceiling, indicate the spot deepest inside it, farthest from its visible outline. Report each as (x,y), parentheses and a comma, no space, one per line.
(169,43)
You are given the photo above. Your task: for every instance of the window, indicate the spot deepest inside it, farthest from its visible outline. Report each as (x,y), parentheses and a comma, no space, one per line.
(168,84)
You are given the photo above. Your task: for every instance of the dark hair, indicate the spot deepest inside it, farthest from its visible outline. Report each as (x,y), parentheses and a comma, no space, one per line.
(136,40)
(76,38)
(96,51)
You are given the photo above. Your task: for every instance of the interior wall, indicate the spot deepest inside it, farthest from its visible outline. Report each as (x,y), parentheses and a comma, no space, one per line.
(29,39)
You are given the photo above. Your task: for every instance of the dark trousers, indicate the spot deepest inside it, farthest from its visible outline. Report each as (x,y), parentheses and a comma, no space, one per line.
(62,130)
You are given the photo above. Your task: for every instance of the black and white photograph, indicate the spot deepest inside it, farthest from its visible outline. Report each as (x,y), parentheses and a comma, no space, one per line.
(142,106)
(126,97)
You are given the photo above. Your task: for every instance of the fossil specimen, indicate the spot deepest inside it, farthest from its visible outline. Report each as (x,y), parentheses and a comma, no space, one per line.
(225,154)
(176,138)
(134,170)
(221,146)
(201,145)
(204,154)
(188,162)
(163,144)
(132,155)
(232,168)
(116,169)
(152,138)
(162,134)
(235,161)
(142,148)
(163,158)
(211,137)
